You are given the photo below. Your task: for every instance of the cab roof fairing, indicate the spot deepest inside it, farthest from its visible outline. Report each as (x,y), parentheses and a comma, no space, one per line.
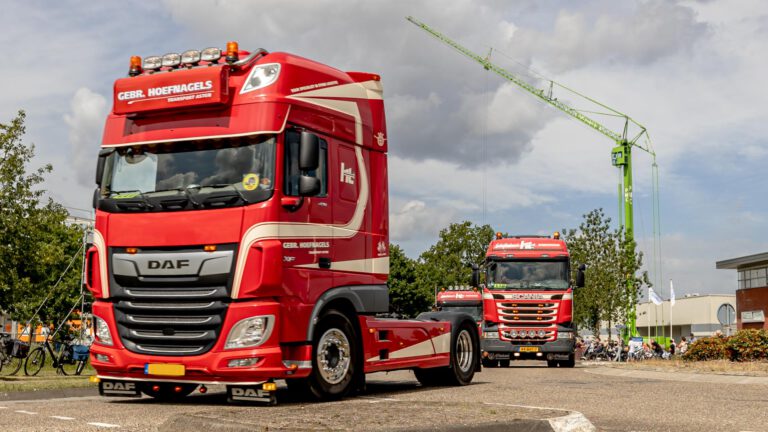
(533,247)
(318,89)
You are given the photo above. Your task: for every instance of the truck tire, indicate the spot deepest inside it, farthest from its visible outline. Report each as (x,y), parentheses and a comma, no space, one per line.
(504,363)
(490,363)
(464,358)
(551,363)
(334,359)
(571,362)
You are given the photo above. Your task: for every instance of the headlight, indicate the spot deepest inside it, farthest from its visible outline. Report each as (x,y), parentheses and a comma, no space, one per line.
(103,336)
(491,335)
(513,333)
(250,332)
(261,76)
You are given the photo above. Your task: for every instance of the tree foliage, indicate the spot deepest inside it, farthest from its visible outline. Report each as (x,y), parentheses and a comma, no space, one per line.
(406,295)
(448,261)
(35,243)
(612,262)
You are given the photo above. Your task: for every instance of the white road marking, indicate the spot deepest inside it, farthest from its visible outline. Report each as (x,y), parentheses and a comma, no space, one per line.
(373,399)
(26,412)
(3,407)
(104,425)
(62,418)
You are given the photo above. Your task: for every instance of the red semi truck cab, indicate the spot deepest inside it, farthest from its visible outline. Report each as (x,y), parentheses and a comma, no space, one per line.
(461,298)
(528,301)
(242,234)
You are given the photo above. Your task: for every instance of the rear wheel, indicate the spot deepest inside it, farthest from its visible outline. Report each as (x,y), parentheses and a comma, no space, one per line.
(551,363)
(504,363)
(463,360)
(571,362)
(34,362)
(67,364)
(334,359)
(490,363)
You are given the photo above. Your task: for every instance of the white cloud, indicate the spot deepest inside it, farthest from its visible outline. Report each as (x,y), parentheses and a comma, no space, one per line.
(415,220)
(86,123)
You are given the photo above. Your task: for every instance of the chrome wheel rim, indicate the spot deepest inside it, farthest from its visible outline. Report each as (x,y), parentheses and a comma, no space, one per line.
(464,351)
(333,356)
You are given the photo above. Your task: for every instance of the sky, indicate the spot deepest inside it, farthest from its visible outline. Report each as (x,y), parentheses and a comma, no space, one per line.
(465,144)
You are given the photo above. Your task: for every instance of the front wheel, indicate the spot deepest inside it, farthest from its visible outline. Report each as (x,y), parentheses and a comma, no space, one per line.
(504,363)
(11,365)
(571,362)
(334,359)
(34,362)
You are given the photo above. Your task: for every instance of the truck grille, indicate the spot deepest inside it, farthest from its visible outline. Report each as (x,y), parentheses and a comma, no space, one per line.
(175,314)
(527,322)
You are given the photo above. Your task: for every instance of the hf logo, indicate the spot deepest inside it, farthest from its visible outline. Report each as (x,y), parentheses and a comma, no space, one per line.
(347,175)
(380,139)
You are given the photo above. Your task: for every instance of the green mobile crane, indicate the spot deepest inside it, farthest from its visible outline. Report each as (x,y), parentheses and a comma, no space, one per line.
(621,154)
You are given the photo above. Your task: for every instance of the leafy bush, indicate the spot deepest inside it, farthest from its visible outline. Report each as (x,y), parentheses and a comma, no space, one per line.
(748,345)
(708,348)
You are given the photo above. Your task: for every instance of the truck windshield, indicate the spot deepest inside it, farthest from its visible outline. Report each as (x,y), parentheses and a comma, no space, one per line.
(526,274)
(223,172)
(475,312)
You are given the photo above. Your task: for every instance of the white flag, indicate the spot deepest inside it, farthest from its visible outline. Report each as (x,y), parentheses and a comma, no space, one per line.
(654,297)
(671,293)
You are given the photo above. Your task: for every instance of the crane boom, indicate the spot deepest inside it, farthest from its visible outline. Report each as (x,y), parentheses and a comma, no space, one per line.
(621,155)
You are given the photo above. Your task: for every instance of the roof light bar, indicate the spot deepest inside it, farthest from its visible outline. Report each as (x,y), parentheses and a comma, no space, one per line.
(190,57)
(153,63)
(171,60)
(210,55)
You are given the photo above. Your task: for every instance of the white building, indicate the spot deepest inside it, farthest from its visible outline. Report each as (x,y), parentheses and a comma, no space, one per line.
(692,314)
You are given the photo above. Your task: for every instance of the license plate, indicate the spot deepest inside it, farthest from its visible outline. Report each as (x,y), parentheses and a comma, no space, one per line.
(529,349)
(165,369)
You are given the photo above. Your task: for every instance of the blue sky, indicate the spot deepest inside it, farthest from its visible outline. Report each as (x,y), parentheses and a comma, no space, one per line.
(690,71)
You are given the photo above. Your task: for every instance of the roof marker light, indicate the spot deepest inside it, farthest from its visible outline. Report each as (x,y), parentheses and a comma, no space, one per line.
(210,55)
(153,63)
(171,60)
(135,68)
(499,235)
(232,52)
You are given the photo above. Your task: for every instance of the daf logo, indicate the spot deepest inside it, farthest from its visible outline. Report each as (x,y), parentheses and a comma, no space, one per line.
(249,392)
(167,264)
(119,386)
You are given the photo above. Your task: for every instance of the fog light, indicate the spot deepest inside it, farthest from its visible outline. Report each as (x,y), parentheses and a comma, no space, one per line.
(539,354)
(517,354)
(542,333)
(94,379)
(102,358)
(243,362)
(203,389)
(513,333)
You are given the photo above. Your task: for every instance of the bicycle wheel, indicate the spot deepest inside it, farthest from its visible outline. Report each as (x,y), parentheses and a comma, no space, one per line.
(67,364)
(34,362)
(11,365)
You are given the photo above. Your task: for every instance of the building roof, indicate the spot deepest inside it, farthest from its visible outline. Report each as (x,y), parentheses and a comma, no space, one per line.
(736,263)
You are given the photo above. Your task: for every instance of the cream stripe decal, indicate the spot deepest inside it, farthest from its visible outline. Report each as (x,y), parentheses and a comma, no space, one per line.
(437,345)
(298,230)
(101,248)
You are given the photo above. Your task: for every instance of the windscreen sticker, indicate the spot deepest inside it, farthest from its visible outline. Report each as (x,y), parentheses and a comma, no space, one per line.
(126,195)
(250,181)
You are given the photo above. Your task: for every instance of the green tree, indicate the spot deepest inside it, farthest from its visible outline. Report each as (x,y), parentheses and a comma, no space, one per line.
(36,244)
(448,261)
(611,262)
(406,295)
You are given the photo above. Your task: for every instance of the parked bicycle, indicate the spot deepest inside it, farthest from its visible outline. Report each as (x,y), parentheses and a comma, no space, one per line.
(12,353)
(69,360)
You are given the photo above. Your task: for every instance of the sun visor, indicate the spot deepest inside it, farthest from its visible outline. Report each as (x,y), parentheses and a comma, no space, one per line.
(199,87)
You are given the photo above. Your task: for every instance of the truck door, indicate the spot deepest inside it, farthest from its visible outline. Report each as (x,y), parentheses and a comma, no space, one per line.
(350,214)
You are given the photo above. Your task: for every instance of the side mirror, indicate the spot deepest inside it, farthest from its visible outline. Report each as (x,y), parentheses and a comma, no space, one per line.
(309,186)
(580,276)
(96,197)
(103,154)
(309,152)
(475,281)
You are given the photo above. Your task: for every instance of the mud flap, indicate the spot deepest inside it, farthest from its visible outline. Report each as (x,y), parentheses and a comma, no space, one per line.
(118,388)
(255,394)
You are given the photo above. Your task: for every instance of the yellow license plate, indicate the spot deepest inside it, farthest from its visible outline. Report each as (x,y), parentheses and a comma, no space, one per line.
(529,349)
(165,369)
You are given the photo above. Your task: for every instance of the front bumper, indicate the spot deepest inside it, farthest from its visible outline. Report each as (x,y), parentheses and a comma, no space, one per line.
(274,361)
(559,349)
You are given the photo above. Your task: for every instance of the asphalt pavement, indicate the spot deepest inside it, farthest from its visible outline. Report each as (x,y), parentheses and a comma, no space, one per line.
(526,392)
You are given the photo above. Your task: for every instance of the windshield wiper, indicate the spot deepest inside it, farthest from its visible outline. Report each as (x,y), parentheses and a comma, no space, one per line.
(184,190)
(223,185)
(135,193)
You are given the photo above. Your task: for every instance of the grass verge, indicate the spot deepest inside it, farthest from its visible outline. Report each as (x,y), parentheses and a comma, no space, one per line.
(47,379)
(723,367)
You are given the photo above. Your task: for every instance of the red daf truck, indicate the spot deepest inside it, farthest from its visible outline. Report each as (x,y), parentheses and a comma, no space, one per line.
(528,301)
(242,234)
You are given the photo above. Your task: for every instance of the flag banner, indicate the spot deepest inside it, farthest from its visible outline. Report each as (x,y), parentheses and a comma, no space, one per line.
(671,293)
(654,297)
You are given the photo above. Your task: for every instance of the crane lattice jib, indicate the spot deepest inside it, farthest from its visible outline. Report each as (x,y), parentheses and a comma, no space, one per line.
(541,94)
